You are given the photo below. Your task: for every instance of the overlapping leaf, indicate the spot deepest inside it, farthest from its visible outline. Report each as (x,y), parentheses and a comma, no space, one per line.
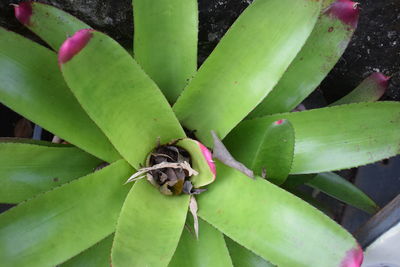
(59,224)
(242,257)
(120,97)
(96,256)
(339,188)
(49,23)
(273,155)
(279,226)
(208,250)
(31,84)
(149,227)
(324,47)
(29,169)
(332,138)
(245,66)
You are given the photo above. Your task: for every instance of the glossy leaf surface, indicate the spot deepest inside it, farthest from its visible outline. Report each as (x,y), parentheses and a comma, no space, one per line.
(120,97)
(31,84)
(332,138)
(96,256)
(339,188)
(165,42)
(370,89)
(29,169)
(320,53)
(272,223)
(52,24)
(242,257)
(233,80)
(274,154)
(59,224)
(149,227)
(208,250)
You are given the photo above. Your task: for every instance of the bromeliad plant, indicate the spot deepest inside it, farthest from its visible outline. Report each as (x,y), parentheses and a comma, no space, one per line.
(116,109)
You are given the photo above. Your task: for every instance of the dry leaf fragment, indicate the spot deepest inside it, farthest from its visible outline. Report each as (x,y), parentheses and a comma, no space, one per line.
(222,154)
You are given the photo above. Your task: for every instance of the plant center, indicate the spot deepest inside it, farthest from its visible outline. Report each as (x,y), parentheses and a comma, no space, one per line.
(170,170)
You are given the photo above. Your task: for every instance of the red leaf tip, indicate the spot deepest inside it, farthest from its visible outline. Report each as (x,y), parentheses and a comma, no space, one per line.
(73,45)
(23,12)
(345,10)
(279,122)
(381,79)
(353,258)
(208,156)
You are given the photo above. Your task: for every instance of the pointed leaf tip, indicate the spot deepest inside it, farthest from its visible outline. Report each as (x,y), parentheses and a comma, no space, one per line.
(345,10)
(354,258)
(73,45)
(380,79)
(23,12)
(208,156)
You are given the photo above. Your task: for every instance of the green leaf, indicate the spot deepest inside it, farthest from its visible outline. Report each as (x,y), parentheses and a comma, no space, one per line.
(52,24)
(31,84)
(27,169)
(242,257)
(334,138)
(149,227)
(320,53)
(339,188)
(273,154)
(199,163)
(120,98)
(59,224)
(272,223)
(208,250)
(96,256)
(165,42)
(245,66)
(370,90)
(294,181)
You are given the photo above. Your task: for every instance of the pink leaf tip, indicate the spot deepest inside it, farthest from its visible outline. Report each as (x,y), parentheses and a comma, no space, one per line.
(345,10)
(381,79)
(353,258)
(279,122)
(23,12)
(208,156)
(73,45)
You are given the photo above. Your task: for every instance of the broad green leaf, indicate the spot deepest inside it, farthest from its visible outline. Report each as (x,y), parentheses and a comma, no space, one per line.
(57,225)
(199,163)
(208,250)
(307,197)
(149,227)
(274,153)
(272,222)
(31,84)
(165,42)
(339,188)
(96,256)
(242,257)
(52,24)
(245,66)
(120,98)
(329,139)
(32,142)
(320,53)
(369,90)
(27,169)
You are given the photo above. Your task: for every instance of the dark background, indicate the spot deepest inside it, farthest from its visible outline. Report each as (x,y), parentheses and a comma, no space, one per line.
(374,47)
